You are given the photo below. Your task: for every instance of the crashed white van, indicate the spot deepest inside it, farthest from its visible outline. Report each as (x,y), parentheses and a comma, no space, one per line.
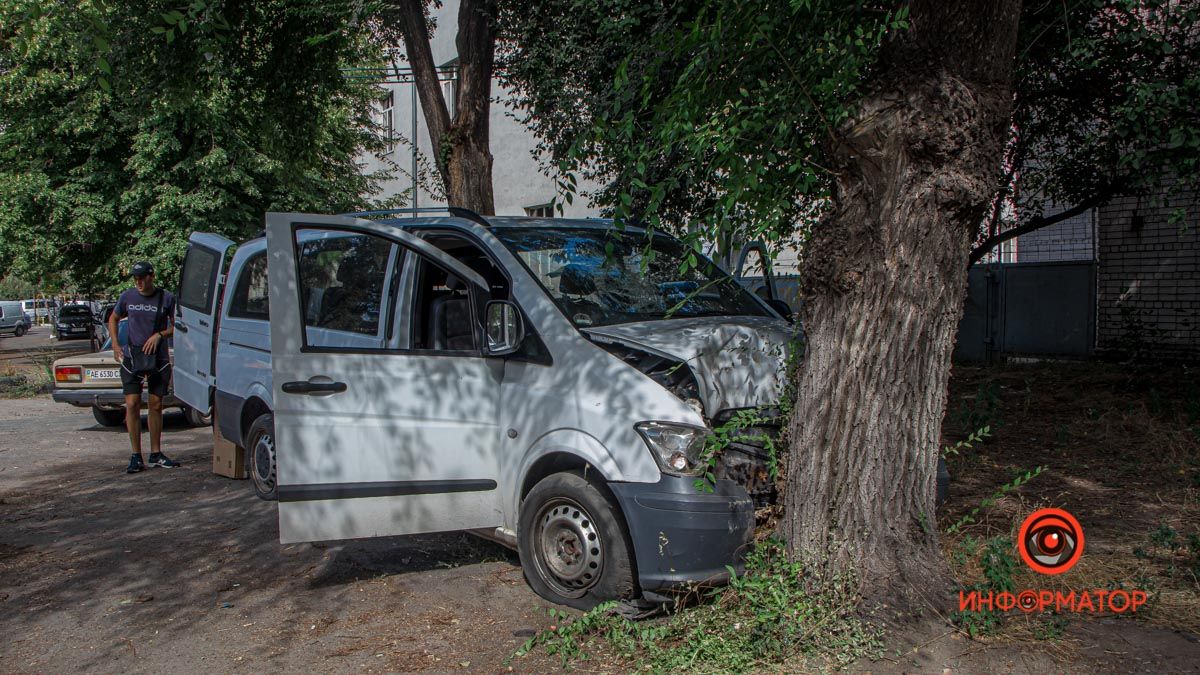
(548,383)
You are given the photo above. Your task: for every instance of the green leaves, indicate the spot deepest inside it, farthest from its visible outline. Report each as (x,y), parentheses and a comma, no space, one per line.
(1106,96)
(127,126)
(700,119)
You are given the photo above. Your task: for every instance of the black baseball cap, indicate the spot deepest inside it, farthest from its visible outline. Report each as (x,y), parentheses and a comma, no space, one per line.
(141,269)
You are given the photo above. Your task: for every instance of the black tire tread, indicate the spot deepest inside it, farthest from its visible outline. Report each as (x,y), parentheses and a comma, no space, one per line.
(109,418)
(265,421)
(619,579)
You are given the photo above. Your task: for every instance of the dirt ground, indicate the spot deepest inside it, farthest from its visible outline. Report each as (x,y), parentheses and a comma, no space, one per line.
(180,570)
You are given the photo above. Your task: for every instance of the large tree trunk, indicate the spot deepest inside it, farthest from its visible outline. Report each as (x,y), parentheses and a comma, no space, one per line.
(460,144)
(884,285)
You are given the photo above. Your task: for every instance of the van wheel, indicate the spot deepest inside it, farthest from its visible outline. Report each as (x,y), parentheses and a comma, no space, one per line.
(109,418)
(943,481)
(20,330)
(573,542)
(196,418)
(260,457)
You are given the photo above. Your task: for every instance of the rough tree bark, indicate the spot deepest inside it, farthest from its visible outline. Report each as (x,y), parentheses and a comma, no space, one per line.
(884,284)
(460,143)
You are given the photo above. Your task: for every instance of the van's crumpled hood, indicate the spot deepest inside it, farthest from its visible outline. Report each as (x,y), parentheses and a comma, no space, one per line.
(738,361)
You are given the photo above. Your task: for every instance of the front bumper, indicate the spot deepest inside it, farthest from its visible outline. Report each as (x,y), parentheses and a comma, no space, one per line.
(104,398)
(682,535)
(73,332)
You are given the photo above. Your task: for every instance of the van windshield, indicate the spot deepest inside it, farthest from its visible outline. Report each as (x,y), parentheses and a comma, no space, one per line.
(604,277)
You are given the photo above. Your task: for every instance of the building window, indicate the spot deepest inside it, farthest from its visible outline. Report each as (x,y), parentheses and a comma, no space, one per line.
(388,122)
(448,76)
(540,211)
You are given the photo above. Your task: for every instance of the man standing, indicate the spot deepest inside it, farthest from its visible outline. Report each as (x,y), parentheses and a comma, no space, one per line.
(150,313)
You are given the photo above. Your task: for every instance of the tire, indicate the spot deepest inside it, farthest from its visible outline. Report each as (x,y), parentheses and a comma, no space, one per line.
(561,512)
(196,418)
(109,418)
(943,482)
(20,330)
(261,457)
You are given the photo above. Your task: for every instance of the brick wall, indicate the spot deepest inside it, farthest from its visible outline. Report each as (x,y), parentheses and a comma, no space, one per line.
(1148,286)
(1070,239)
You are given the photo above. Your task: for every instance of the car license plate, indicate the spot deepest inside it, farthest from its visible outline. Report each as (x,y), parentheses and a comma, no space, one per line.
(103,373)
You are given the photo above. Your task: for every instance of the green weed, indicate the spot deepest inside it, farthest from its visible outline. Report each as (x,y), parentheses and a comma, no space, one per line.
(763,618)
(1018,481)
(977,436)
(1164,536)
(981,411)
(998,565)
(1052,628)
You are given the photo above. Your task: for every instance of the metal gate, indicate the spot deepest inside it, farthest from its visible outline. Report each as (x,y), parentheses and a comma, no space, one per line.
(1028,309)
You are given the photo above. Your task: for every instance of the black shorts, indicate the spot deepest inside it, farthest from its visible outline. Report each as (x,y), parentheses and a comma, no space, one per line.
(157,381)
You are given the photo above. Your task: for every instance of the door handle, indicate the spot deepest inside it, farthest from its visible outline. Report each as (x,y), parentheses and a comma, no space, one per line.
(310,388)
(181,327)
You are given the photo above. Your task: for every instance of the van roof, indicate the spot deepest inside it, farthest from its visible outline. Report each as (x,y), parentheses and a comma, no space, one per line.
(456,222)
(512,221)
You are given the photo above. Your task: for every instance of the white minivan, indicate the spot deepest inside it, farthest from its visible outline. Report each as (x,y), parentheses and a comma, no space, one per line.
(547,383)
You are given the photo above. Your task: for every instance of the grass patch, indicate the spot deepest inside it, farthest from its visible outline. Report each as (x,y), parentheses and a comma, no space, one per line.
(27,383)
(768,616)
(1120,447)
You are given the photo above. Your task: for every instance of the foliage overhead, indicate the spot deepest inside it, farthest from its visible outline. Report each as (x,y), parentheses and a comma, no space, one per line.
(1106,101)
(725,113)
(126,126)
(716,120)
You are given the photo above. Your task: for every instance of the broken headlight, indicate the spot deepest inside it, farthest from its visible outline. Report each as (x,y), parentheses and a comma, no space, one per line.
(678,448)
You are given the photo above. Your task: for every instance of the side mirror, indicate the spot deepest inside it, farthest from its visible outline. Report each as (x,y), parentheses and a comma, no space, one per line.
(505,328)
(782,307)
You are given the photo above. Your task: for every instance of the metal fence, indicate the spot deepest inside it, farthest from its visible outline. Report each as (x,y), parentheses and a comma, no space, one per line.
(1029,309)
(1011,309)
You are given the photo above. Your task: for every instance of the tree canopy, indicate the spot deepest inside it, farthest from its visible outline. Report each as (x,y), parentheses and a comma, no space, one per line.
(722,112)
(124,127)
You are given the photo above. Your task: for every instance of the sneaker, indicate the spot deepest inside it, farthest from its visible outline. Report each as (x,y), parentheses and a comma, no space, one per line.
(135,464)
(159,459)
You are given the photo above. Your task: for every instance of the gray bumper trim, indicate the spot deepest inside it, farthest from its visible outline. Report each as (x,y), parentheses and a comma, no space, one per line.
(104,398)
(682,535)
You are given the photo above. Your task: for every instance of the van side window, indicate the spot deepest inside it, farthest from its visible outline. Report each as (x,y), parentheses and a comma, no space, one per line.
(442,315)
(342,281)
(446,318)
(250,299)
(199,277)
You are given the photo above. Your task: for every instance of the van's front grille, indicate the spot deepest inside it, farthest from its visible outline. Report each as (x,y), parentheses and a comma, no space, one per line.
(747,458)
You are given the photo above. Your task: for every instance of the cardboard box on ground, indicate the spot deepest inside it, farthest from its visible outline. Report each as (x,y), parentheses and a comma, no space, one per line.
(228,459)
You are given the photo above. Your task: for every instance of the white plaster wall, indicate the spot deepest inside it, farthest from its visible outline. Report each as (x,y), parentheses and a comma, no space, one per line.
(517,179)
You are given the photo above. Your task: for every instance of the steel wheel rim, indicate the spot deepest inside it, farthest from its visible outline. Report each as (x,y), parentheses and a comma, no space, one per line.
(567,547)
(264,462)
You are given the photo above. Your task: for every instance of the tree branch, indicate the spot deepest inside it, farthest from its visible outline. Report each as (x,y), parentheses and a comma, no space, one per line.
(415,31)
(1101,196)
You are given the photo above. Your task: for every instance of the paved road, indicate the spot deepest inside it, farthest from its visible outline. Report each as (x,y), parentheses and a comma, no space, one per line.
(39,343)
(181,570)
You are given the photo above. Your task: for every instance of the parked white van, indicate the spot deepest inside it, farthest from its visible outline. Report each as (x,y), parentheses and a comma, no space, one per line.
(548,383)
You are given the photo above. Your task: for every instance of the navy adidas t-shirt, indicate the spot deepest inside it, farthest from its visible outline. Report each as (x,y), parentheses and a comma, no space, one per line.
(141,310)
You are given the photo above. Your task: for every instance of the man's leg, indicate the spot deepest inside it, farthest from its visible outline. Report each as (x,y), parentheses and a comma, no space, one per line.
(154,421)
(133,421)
(157,385)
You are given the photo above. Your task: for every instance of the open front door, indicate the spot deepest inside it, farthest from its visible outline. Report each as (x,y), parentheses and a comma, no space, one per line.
(379,431)
(200,286)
